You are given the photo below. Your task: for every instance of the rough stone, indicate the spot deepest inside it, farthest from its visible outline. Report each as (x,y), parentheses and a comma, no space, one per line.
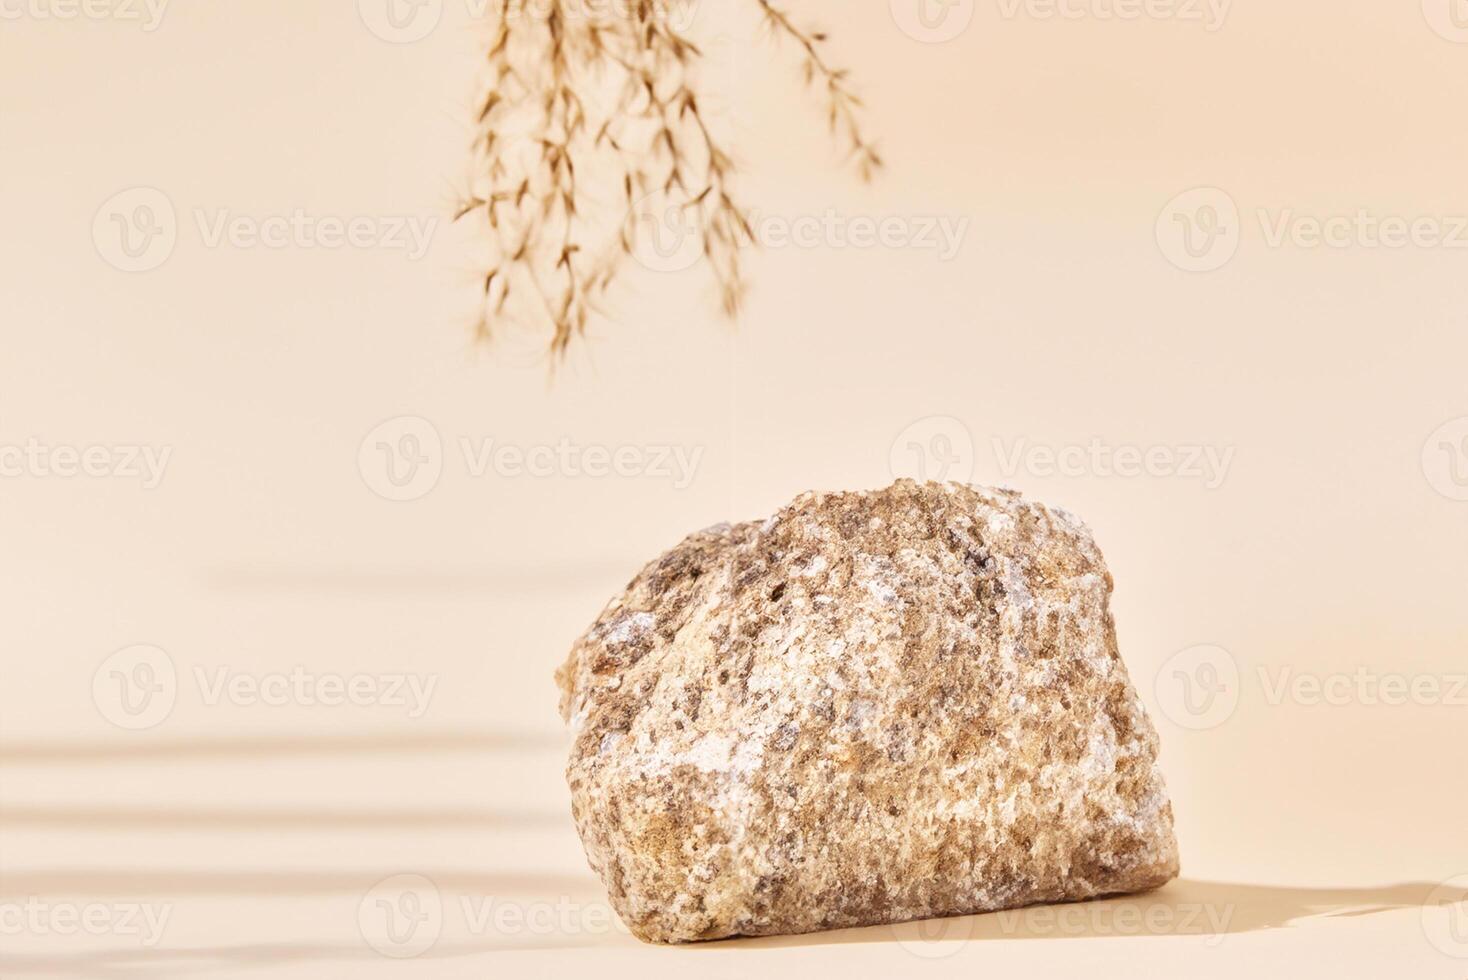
(870,708)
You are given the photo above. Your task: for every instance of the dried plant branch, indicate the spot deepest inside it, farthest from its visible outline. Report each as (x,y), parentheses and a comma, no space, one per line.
(842,102)
(591,110)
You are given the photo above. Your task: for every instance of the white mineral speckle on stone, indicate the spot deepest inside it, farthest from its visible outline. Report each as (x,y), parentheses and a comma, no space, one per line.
(711,753)
(629,626)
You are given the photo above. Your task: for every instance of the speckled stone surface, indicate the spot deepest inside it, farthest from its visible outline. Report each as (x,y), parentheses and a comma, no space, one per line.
(871,707)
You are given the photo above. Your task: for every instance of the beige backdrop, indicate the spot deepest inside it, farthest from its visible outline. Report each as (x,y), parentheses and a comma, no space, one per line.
(1203,283)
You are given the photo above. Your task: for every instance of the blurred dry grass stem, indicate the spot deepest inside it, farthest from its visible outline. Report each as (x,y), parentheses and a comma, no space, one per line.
(591,102)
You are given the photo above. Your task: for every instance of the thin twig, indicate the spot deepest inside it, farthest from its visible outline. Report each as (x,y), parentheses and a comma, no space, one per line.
(591,101)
